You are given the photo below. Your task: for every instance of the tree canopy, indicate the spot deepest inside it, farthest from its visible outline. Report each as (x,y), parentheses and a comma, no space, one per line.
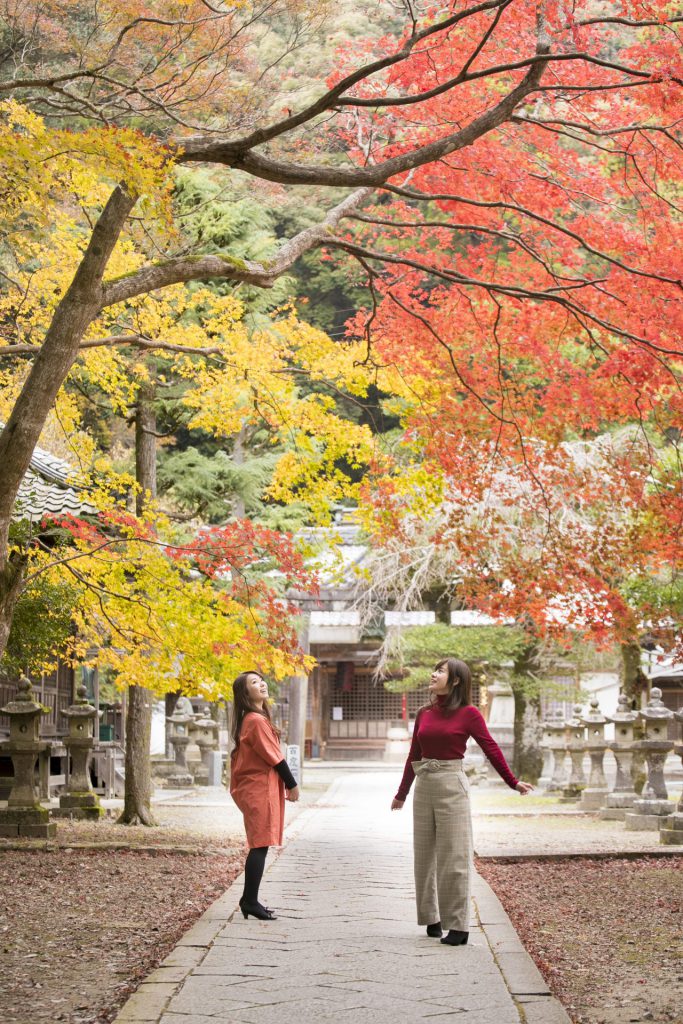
(500,176)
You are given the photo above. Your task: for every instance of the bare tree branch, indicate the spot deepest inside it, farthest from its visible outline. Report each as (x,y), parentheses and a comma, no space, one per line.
(371,175)
(198,268)
(194,147)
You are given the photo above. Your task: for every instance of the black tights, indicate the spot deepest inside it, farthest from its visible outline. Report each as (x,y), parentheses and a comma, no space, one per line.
(253,873)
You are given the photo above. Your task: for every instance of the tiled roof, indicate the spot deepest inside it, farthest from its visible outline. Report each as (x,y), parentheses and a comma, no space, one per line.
(47,489)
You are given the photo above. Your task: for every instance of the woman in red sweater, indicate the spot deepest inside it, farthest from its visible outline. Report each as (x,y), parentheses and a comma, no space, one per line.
(442,834)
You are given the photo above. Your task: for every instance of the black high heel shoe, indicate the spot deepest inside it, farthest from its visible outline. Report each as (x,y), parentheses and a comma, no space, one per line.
(256,910)
(455,938)
(435,931)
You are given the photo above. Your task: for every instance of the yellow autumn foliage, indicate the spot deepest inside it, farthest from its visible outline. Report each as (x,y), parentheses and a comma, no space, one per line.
(154,623)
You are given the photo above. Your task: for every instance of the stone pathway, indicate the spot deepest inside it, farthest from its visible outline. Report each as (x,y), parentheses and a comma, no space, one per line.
(345,947)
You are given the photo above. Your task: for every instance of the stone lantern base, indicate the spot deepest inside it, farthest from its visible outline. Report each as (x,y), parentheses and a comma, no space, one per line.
(570,794)
(616,806)
(179,780)
(81,806)
(647,814)
(163,767)
(593,799)
(201,774)
(27,822)
(671,829)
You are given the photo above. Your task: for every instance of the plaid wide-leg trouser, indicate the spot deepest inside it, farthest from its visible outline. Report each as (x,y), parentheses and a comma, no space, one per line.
(442,843)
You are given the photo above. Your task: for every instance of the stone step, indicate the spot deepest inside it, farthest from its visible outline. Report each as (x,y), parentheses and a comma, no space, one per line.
(671,836)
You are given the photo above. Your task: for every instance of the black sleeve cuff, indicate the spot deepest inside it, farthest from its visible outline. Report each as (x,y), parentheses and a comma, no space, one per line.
(283,771)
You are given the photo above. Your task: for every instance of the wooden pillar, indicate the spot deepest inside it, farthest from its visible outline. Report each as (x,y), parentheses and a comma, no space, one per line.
(324,710)
(298,697)
(316,723)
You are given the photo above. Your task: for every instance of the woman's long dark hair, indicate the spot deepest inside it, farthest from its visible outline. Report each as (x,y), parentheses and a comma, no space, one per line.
(459,685)
(241,705)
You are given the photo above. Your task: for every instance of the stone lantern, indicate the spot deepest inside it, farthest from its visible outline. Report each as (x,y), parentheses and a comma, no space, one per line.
(180,777)
(501,723)
(622,746)
(24,815)
(653,804)
(575,732)
(554,727)
(671,827)
(546,745)
(80,800)
(595,792)
(205,735)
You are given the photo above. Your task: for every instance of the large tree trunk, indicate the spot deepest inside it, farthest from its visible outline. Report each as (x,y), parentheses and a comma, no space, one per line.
(527,762)
(137,803)
(145,449)
(634,684)
(11,586)
(238,507)
(76,311)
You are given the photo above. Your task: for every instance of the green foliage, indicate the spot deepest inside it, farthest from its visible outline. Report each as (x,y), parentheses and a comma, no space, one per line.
(655,593)
(206,486)
(41,625)
(286,518)
(531,687)
(224,219)
(419,648)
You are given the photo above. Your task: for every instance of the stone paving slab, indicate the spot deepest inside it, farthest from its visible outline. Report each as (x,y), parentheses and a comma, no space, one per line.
(345,947)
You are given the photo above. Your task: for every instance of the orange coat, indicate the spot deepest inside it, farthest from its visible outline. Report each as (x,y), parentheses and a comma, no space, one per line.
(255,786)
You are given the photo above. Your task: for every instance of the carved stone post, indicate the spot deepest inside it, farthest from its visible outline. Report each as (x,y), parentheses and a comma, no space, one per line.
(545,779)
(622,746)
(24,815)
(206,738)
(575,732)
(180,778)
(501,723)
(80,800)
(671,827)
(595,792)
(654,803)
(557,743)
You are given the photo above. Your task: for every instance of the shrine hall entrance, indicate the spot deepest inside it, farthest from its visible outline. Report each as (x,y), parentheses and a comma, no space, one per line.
(357,711)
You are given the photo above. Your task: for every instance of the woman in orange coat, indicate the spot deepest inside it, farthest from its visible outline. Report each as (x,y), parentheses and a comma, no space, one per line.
(259,777)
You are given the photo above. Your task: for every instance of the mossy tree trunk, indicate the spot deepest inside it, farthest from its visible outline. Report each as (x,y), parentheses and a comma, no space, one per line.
(527,762)
(137,803)
(634,685)
(633,681)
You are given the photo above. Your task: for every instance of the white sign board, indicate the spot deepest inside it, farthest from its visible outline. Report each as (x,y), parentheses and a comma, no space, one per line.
(337,714)
(294,760)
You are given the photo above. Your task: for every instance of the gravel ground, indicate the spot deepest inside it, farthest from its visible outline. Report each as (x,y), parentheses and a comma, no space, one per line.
(505,824)
(606,934)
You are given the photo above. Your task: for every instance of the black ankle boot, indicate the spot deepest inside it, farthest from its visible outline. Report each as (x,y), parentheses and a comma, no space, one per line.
(435,931)
(256,910)
(456,938)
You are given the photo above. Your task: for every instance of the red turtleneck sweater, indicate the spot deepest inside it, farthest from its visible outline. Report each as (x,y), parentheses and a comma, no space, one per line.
(443,735)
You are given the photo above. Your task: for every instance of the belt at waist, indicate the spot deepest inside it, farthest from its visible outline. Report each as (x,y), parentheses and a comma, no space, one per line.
(434,765)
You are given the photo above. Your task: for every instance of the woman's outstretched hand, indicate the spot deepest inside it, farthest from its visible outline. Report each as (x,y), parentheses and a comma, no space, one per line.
(396,805)
(523,788)
(292,794)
